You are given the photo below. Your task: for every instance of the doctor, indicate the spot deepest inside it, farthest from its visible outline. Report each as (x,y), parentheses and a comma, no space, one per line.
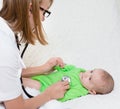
(24,17)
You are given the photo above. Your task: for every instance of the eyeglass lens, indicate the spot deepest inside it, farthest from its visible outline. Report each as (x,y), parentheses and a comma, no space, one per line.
(46,13)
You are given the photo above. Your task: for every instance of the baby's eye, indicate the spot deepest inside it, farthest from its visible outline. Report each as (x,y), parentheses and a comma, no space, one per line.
(91,71)
(90,78)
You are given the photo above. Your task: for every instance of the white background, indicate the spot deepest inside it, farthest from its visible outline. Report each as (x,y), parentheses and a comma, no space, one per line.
(85,33)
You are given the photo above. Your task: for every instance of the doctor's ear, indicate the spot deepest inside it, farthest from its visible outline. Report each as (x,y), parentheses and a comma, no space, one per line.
(30,10)
(30,7)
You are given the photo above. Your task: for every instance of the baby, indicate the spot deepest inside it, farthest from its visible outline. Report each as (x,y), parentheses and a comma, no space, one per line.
(81,82)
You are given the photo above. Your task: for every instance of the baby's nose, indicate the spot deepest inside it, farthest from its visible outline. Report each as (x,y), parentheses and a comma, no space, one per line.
(86,75)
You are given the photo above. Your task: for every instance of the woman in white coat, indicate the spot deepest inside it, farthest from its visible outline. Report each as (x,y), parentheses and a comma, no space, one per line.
(24,17)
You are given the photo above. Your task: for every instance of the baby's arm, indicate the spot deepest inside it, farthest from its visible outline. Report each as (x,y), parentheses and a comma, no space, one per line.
(27,82)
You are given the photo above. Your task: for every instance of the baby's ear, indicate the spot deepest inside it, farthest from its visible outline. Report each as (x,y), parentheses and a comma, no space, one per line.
(93,92)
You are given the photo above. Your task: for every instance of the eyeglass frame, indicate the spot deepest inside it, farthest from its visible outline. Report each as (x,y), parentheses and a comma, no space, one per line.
(45,11)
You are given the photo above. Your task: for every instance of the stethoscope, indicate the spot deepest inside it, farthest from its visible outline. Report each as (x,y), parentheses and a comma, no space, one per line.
(66,78)
(18,46)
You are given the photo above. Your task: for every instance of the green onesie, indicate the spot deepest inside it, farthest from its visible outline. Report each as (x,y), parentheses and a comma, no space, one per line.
(76,89)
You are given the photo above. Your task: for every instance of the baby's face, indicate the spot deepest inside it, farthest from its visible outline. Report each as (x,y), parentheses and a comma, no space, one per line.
(91,79)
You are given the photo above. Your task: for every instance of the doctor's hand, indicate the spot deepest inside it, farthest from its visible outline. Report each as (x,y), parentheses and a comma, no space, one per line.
(51,63)
(57,90)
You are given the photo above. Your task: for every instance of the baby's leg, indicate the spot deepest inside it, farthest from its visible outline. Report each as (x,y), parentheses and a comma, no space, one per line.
(27,82)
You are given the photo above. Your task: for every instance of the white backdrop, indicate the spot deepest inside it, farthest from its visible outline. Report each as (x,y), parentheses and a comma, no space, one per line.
(0,3)
(82,32)
(85,33)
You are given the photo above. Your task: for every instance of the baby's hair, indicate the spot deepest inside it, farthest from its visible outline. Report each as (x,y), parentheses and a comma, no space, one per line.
(108,83)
